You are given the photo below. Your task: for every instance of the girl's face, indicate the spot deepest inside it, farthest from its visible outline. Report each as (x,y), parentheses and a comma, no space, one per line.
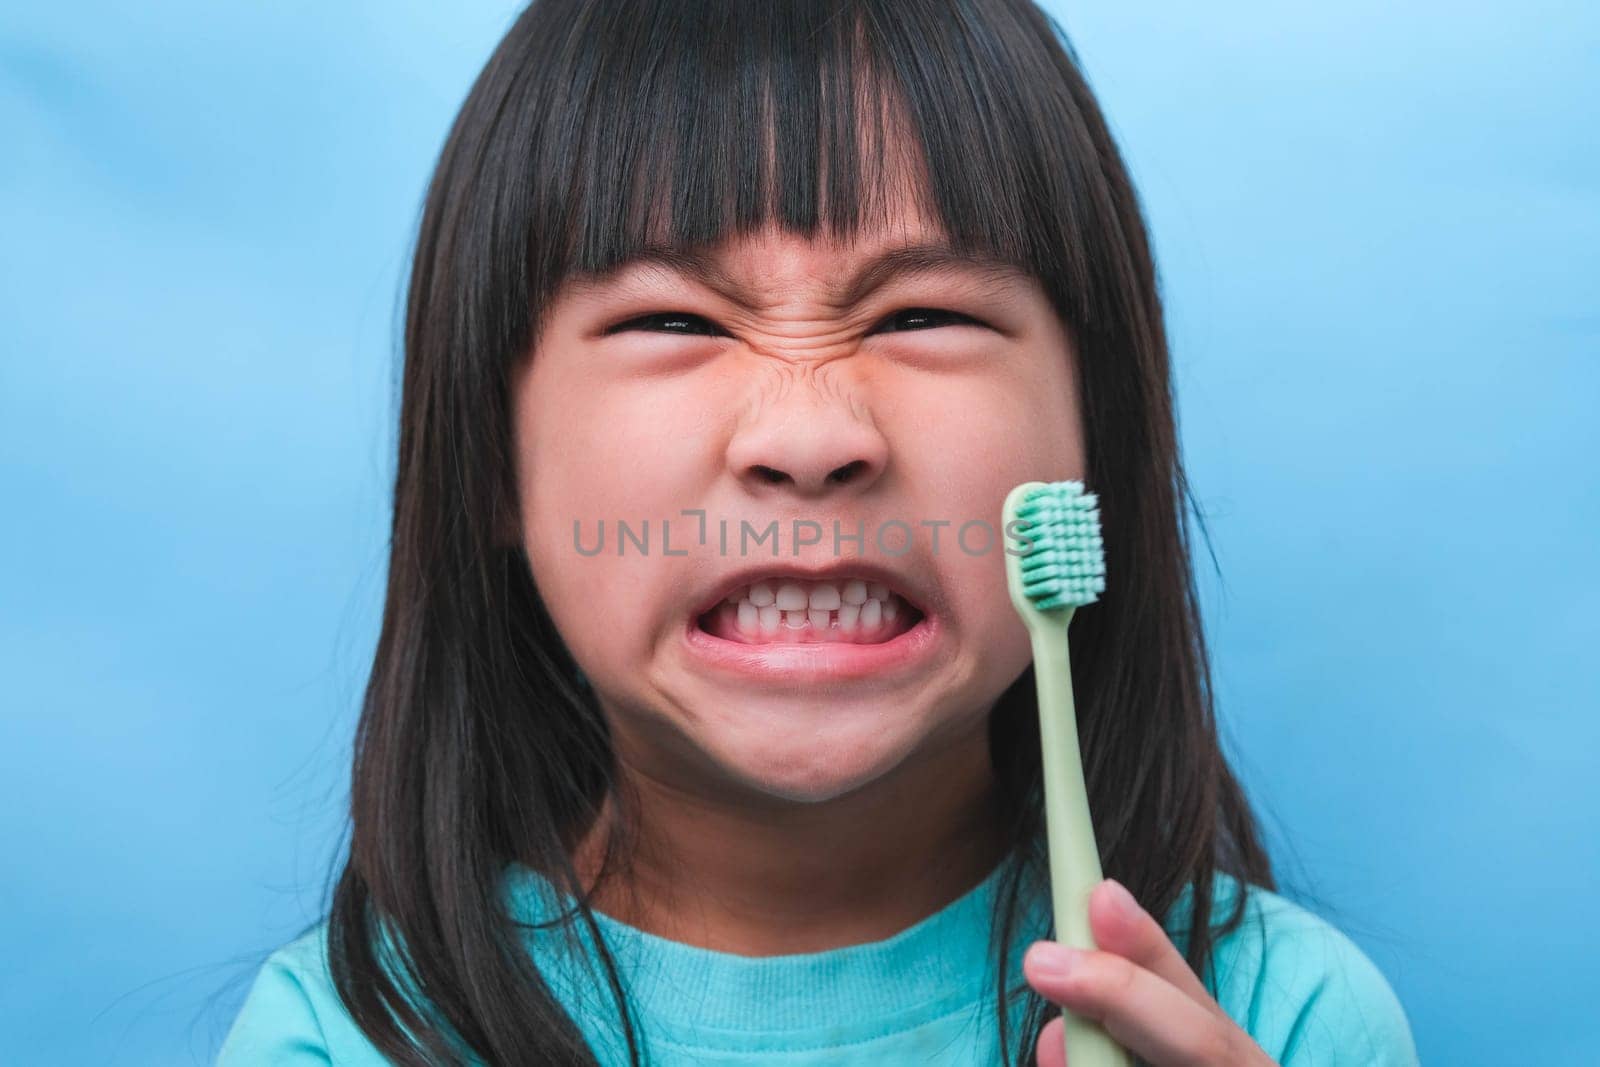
(793,386)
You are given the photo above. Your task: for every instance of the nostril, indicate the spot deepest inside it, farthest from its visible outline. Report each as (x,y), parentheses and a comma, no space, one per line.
(848,471)
(770,475)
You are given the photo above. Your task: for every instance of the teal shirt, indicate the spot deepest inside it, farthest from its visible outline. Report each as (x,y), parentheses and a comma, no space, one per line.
(924,996)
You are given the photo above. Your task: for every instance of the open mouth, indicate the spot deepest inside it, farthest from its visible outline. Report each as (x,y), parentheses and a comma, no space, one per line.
(793,610)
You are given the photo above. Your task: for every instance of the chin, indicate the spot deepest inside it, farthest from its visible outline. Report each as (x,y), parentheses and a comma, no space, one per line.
(802,760)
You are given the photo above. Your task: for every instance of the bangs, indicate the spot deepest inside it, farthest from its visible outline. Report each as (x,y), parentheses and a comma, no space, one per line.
(688,123)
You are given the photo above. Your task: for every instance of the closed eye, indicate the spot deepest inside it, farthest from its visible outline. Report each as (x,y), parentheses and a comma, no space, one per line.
(690,325)
(936,316)
(669,322)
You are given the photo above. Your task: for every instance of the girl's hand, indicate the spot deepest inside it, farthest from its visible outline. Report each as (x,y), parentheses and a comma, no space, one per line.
(1139,987)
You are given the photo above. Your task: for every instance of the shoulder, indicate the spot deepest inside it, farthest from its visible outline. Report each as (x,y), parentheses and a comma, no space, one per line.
(1304,990)
(292,1014)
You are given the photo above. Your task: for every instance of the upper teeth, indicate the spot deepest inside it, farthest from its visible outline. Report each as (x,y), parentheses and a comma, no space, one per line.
(793,594)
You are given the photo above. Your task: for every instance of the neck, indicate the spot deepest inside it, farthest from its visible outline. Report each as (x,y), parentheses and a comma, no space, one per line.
(761,876)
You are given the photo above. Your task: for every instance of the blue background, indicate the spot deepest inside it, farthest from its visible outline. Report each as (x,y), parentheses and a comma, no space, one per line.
(1377,226)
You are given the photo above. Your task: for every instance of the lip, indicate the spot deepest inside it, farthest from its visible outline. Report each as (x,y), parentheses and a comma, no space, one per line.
(819,663)
(901,585)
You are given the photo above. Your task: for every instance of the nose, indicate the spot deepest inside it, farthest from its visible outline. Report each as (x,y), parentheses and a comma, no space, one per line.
(810,449)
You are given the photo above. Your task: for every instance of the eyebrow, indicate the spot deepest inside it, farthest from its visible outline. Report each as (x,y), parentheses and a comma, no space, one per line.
(926,258)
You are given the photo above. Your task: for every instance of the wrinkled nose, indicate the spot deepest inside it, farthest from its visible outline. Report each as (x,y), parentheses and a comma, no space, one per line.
(808,449)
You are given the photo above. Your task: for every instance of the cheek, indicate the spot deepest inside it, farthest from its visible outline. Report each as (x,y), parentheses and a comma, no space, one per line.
(962,446)
(590,453)
(592,449)
(963,434)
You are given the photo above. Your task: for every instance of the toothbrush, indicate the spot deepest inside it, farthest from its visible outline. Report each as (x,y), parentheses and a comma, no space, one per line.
(1060,568)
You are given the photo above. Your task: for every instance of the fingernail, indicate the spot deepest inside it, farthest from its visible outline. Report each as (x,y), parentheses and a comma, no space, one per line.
(1051,959)
(1123,900)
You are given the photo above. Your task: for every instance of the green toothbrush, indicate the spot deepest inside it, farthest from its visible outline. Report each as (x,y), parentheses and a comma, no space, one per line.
(1060,568)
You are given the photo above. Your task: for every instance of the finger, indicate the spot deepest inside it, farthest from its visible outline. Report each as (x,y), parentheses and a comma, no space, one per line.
(1144,1012)
(1052,1050)
(1121,926)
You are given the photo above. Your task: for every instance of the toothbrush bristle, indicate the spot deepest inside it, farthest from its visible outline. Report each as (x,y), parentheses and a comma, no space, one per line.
(1066,564)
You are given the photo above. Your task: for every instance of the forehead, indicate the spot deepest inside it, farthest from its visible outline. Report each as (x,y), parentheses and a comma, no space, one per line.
(844,271)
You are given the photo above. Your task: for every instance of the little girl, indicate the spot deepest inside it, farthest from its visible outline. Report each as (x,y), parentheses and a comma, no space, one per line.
(701,729)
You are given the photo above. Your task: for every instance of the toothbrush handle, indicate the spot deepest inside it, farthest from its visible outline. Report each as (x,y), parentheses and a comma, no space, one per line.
(1069,831)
